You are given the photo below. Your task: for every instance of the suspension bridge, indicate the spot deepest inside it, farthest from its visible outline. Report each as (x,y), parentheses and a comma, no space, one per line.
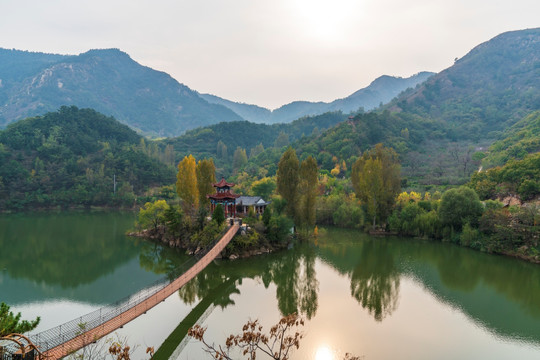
(67,338)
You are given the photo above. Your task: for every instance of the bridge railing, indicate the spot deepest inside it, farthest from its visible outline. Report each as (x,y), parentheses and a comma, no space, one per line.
(60,334)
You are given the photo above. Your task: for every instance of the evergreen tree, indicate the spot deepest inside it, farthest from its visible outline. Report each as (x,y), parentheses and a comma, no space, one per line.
(186,182)
(287,179)
(11,323)
(218,215)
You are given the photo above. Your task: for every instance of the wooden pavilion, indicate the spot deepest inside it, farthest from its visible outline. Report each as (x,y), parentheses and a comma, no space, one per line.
(225,197)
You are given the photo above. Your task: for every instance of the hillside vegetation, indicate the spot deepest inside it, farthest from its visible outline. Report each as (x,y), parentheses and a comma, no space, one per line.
(108,81)
(516,142)
(71,157)
(484,92)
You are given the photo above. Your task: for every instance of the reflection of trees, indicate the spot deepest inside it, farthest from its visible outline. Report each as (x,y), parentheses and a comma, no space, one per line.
(293,272)
(297,285)
(375,280)
(66,249)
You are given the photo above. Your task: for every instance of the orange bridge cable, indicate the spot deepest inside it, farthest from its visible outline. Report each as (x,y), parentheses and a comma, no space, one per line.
(87,337)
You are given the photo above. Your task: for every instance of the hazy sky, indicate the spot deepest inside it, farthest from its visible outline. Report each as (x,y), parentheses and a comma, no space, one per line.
(268,52)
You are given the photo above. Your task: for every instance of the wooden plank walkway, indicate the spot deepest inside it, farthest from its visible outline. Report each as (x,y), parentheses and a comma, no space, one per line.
(122,319)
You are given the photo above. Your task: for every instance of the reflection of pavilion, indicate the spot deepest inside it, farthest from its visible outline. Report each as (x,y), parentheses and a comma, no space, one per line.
(225,197)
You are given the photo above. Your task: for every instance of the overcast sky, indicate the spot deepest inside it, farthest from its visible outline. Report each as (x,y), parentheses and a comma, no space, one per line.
(268,52)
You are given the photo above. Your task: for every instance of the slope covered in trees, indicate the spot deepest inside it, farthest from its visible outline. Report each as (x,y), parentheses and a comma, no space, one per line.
(108,81)
(489,89)
(220,141)
(516,142)
(73,157)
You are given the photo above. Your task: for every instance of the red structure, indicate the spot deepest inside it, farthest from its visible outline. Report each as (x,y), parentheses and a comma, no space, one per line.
(225,197)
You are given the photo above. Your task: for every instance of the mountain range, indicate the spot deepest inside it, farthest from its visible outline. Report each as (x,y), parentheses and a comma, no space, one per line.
(147,100)
(380,91)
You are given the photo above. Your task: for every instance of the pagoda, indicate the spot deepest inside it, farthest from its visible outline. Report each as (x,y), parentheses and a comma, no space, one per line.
(225,197)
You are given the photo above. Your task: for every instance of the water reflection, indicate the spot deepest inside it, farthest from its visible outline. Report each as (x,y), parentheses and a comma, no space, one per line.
(499,293)
(375,280)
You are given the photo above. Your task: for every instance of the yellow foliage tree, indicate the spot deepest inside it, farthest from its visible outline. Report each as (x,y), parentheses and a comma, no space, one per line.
(186,182)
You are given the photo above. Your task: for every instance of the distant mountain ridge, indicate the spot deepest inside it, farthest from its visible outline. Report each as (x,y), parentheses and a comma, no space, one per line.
(108,81)
(381,90)
(489,89)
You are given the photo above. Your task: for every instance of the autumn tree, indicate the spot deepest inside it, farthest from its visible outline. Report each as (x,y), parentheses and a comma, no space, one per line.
(307,191)
(376,180)
(206,177)
(186,182)
(276,344)
(287,179)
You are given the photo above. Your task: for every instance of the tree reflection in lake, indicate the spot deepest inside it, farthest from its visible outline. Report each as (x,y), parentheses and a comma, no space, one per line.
(375,280)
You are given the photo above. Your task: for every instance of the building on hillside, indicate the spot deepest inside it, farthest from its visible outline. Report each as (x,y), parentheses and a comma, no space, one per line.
(225,197)
(244,203)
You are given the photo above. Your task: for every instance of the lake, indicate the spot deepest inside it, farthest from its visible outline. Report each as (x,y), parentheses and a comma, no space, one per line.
(376,297)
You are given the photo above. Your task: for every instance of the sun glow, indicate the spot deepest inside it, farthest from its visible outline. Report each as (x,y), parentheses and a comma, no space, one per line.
(323,19)
(324,353)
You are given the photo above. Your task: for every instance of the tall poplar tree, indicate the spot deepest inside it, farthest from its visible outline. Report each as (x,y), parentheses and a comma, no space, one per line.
(206,177)
(186,182)
(307,190)
(376,181)
(287,180)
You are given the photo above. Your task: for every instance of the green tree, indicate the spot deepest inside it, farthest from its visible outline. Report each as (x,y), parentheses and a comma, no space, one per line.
(282,140)
(263,187)
(221,150)
(186,182)
(460,206)
(239,158)
(307,189)
(206,177)
(152,214)
(376,181)
(218,215)
(256,150)
(287,179)
(11,323)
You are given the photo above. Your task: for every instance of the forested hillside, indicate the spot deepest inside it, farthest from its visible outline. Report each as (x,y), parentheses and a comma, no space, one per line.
(516,142)
(108,81)
(72,157)
(221,141)
(489,89)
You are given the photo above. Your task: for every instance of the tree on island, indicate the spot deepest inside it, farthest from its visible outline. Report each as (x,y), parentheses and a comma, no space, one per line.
(186,182)
(376,181)
(218,215)
(287,179)
(206,177)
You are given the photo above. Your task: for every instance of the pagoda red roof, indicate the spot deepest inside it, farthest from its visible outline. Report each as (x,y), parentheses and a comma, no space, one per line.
(223,195)
(223,183)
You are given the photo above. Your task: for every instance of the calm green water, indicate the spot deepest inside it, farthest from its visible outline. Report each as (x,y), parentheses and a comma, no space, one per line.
(382,298)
